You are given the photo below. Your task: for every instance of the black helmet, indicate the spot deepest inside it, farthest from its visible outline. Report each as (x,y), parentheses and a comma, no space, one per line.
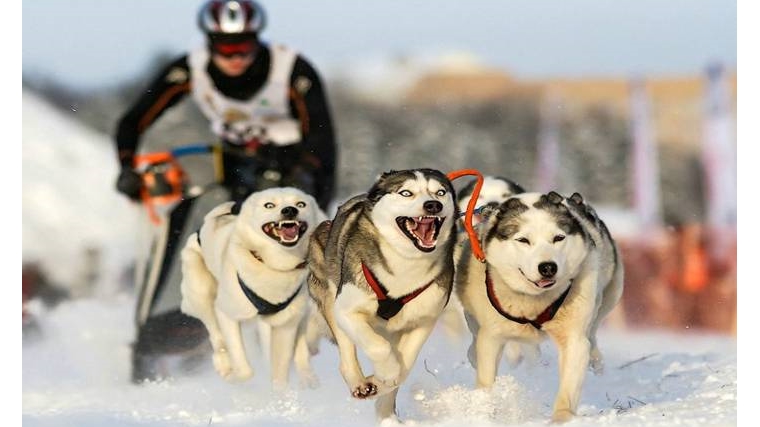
(220,18)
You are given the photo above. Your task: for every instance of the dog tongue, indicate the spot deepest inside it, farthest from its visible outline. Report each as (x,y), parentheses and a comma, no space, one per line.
(288,232)
(545,283)
(425,230)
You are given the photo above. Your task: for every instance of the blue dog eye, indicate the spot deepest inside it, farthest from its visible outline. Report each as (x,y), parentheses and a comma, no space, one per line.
(440,193)
(406,193)
(269,205)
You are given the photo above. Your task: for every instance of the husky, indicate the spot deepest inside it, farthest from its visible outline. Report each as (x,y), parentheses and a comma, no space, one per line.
(495,190)
(248,261)
(551,269)
(381,272)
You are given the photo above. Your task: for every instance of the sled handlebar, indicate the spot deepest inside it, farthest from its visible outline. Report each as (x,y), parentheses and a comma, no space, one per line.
(163,177)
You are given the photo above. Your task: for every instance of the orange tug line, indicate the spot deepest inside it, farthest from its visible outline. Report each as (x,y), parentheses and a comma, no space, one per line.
(476,249)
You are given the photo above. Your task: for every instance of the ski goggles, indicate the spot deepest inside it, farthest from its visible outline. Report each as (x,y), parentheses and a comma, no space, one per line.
(229,50)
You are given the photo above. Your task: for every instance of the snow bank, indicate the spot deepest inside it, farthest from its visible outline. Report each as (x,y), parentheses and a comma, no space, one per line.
(69,202)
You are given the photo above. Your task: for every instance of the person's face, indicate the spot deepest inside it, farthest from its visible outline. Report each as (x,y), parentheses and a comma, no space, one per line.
(233,58)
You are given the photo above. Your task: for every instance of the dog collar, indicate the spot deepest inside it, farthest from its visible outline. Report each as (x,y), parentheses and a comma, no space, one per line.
(545,316)
(263,306)
(261,260)
(388,307)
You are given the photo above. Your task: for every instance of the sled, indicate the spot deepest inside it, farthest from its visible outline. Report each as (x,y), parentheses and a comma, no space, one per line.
(175,209)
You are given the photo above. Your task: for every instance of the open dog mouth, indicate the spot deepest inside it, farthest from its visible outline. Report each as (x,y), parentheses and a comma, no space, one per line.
(421,230)
(286,233)
(543,283)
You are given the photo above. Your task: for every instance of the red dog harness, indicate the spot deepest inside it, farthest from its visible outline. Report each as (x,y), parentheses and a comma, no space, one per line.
(387,306)
(545,316)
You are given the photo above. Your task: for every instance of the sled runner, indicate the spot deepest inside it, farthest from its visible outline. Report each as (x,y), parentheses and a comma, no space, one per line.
(175,209)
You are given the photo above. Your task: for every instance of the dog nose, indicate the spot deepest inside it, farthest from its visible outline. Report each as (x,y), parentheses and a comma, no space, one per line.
(289,212)
(547,269)
(432,206)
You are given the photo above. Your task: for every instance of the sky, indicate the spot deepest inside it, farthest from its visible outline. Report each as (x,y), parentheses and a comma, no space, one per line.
(94,43)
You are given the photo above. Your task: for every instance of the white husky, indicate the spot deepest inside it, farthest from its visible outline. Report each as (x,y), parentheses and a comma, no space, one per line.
(551,269)
(249,261)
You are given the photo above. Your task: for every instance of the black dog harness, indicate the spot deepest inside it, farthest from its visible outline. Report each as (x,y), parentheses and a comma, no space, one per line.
(545,316)
(263,306)
(388,307)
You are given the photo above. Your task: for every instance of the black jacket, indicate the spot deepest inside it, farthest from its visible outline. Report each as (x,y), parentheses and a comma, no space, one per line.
(309,107)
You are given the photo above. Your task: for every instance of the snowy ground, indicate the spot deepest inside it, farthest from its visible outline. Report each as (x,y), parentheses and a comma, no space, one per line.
(76,373)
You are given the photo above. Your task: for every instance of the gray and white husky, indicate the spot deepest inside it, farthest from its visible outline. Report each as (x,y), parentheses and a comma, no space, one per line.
(381,272)
(551,268)
(248,261)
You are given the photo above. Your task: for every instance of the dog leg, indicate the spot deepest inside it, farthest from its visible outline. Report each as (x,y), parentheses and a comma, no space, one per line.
(573,359)
(452,319)
(472,325)
(376,347)
(350,369)
(513,353)
(489,349)
(409,346)
(385,406)
(302,360)
(313,330)
(610,297)
(361,387)
(283,346)
(264,338)
(198,288)
(232,364)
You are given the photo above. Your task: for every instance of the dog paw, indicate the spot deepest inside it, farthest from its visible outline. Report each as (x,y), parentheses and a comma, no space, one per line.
(384,386)
(243,374)
(364,391)
(313,348)
(308,380)
(596,362)
(562,416)
(392,421)
(472,355)
(279,386)
(222,363)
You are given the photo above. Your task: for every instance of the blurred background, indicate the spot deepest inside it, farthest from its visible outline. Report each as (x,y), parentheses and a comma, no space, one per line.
(631,103)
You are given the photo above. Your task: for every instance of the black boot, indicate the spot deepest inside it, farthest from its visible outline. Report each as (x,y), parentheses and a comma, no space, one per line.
(171,333)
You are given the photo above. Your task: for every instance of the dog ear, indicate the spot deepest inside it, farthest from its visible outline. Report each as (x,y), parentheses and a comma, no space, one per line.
(510,205)
(514,187)
(489,209)
(376,192)
(235,210)
(554,197)
(577,198)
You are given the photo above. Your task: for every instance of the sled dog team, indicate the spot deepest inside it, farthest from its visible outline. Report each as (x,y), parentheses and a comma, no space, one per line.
(376,278)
